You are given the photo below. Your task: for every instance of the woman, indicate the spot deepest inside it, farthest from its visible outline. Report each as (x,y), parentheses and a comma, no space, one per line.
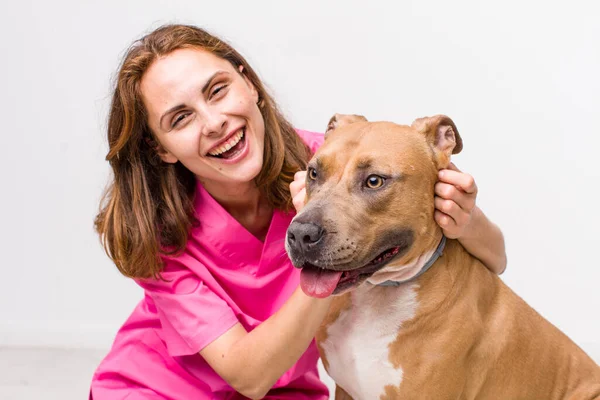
(204,168)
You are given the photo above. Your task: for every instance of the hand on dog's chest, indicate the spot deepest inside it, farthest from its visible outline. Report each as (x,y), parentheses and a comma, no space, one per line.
(357,343)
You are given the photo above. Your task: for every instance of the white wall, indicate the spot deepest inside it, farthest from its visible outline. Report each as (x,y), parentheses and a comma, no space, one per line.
(519,78)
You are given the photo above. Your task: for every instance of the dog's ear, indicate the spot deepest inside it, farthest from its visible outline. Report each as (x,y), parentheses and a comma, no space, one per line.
(342,119)
(442,136)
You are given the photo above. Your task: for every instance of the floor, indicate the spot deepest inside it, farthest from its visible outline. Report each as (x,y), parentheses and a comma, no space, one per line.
(58,374)
(49,374)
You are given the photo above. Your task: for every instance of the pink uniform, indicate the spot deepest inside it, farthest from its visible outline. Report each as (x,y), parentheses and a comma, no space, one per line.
(225,276)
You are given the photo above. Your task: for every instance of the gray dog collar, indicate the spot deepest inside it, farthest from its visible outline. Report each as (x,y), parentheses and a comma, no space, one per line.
(436,254)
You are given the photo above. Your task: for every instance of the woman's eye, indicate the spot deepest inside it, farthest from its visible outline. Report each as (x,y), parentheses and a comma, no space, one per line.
(312,173)
(375,181)
(178,119)
(217,90)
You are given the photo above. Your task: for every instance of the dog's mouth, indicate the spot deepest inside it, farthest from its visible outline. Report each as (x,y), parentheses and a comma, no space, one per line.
(322,282)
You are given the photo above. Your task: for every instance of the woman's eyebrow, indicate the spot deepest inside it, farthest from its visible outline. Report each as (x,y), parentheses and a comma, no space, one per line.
(169,111)
(212,78)
(181,106)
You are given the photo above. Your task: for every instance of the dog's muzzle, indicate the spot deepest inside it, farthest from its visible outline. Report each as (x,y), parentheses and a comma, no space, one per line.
(303,237)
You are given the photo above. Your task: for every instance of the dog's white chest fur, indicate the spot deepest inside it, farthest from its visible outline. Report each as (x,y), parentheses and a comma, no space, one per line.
(357,343)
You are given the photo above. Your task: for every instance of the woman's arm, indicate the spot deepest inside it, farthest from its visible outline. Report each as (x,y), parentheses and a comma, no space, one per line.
(251,362)
(461,219)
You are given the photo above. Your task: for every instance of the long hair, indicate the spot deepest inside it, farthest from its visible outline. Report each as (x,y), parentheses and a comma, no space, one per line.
(147,209)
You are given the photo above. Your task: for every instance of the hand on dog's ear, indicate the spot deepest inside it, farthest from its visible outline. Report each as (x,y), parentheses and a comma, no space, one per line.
(442,136)
(342,119)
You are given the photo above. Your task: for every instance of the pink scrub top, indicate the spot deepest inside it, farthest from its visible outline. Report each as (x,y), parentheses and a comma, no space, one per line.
(224,276)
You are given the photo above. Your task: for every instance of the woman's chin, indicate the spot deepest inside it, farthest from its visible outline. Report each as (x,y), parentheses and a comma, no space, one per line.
(240,174)
(248,170)
(245,176)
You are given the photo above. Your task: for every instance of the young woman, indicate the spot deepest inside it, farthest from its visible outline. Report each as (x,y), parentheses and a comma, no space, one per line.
(203,193)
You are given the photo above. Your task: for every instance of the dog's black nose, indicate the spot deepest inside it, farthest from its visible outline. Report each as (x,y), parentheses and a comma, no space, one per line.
(303,236)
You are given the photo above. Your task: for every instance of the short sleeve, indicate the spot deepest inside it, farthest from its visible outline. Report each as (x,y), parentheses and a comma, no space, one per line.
(190,313)
(312,139)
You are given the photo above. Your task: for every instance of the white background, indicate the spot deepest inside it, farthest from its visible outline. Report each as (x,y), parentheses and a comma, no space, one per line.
(519,78)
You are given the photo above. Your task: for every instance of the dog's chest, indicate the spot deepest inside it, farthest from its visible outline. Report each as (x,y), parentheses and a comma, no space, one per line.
(357,343)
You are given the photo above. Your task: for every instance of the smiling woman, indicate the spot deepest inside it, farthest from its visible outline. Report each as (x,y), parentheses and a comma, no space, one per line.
(198,115)
(206,175)
(202,162)
(182,94)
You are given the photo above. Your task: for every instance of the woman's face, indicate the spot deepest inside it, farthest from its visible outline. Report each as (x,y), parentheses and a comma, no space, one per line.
(204,113)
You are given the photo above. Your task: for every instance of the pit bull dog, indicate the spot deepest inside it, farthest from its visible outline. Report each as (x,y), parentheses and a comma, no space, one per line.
(415,315)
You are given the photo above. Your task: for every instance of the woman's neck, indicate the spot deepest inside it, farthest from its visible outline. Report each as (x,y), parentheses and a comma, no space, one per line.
(244,202)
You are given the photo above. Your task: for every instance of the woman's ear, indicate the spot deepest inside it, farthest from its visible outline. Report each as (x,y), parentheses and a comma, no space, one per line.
(162,153)
(166,156)
(257,99)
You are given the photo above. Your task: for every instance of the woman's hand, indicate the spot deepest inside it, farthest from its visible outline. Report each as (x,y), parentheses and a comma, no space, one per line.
(459,218)
(456,193)
(298,190)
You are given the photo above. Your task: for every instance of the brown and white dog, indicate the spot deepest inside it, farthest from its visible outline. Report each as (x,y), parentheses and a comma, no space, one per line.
(398,329)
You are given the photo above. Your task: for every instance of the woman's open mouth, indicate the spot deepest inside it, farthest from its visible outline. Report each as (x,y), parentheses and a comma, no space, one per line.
(232,148)
(321,282)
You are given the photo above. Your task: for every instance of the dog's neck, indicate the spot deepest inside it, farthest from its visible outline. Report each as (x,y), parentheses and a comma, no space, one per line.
(412,270)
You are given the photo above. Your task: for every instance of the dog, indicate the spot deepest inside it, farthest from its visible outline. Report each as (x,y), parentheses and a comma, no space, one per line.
(415,316)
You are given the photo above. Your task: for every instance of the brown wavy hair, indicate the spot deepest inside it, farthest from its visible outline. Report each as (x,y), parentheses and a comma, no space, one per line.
(147,209)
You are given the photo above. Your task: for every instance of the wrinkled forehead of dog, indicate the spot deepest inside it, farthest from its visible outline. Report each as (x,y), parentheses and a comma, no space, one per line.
(376,139)
(425,146)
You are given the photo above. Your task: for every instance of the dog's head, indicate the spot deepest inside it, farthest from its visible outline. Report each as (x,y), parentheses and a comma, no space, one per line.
(369,209)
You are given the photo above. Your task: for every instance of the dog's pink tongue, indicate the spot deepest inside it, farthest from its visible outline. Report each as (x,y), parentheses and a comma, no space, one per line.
(318,282)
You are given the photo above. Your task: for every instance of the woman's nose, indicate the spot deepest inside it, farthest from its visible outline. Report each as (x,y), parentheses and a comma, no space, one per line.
(214,123)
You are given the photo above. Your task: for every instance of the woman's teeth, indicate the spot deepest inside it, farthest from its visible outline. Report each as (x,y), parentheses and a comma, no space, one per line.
(235,139)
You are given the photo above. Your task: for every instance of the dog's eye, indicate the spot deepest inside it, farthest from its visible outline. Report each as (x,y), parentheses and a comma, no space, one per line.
(312,173)
(375,181)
